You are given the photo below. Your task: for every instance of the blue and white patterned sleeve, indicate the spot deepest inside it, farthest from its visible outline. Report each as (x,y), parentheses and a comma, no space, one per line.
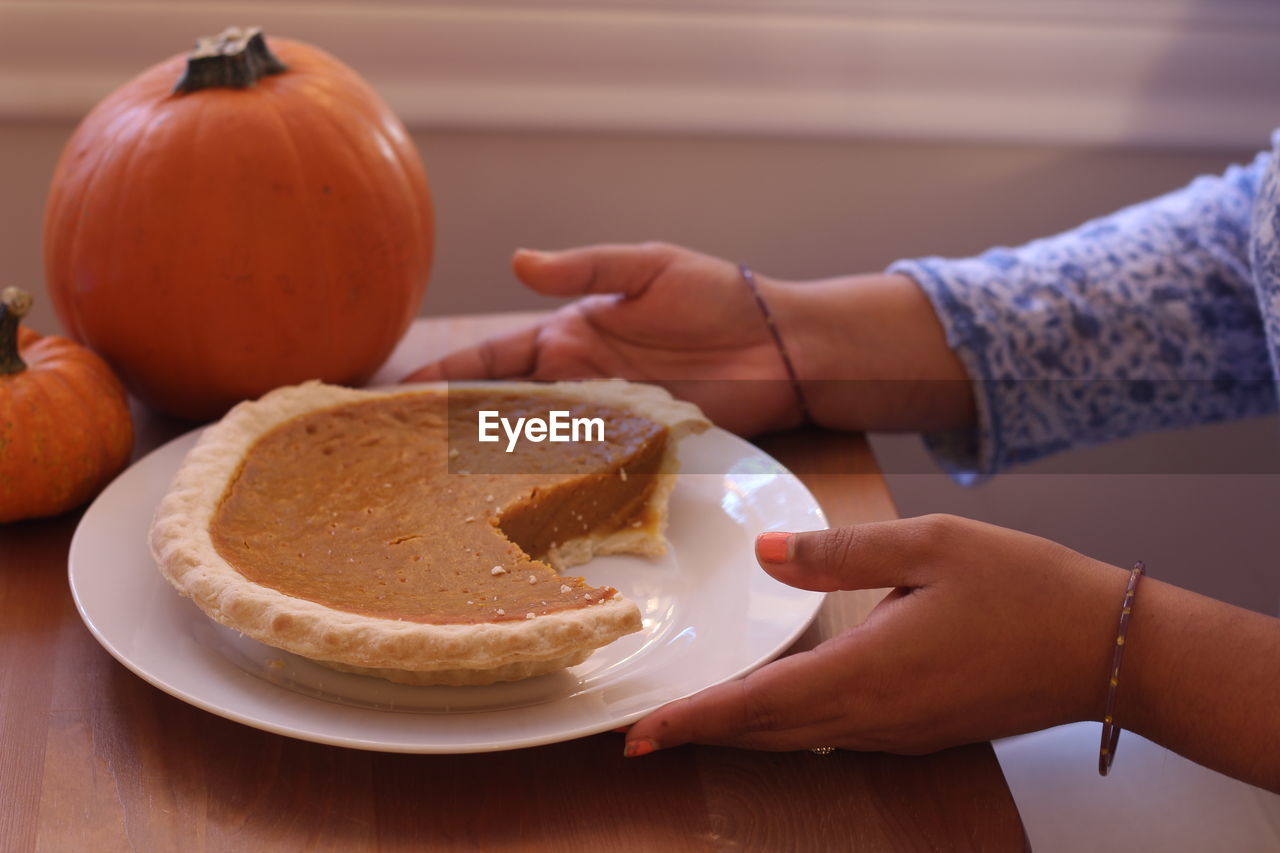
(1145,319)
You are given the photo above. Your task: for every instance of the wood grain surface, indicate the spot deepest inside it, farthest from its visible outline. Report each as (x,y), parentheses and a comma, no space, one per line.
(92,758)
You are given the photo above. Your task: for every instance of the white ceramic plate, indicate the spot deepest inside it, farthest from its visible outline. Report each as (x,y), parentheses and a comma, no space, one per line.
(710,614)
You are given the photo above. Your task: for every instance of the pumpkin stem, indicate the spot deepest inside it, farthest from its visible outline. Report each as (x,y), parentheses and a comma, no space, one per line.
(236,57)
(14,305)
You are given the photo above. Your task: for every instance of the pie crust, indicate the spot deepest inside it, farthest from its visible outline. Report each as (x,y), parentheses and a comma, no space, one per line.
(409,649)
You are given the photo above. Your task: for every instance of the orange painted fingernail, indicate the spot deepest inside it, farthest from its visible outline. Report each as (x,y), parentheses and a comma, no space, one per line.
(638,747)
(775,547)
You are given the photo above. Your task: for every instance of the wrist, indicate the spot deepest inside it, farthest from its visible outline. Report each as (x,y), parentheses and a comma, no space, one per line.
(870,353)
(799,413)
(1151,676)
(1088,615)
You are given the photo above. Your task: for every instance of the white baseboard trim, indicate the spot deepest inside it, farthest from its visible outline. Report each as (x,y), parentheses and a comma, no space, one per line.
(1030,71)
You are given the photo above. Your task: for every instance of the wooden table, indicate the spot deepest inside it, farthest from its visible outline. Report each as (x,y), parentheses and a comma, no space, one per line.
(92,758)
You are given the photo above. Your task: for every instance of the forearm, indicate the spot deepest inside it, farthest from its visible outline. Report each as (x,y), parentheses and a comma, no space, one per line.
(871,354)
(1203,678)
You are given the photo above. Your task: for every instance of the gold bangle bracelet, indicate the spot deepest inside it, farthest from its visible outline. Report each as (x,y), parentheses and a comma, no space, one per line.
(750,278)
(1110,730)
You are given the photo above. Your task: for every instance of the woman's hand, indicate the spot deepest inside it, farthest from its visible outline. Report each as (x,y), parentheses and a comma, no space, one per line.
(653,313)
(868,349)
(989,632)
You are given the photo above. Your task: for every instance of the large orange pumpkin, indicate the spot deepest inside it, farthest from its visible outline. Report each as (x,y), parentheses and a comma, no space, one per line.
(268,223)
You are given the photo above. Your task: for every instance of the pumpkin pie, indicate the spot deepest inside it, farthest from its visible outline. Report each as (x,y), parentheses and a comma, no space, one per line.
(374,532)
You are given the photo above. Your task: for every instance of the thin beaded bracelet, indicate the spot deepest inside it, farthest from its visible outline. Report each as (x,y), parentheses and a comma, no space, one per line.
(1111,731)
(750,278)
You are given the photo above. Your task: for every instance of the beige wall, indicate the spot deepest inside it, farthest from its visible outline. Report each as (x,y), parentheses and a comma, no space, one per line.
(792,208)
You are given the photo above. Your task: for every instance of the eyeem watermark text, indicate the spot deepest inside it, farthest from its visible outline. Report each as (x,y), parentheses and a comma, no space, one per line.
(557,426)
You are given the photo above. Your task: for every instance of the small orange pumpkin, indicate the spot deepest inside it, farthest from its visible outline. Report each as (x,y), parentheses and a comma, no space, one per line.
(65,428)
(266,223)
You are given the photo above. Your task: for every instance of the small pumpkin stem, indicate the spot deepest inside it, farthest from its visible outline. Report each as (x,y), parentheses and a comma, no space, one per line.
(14,305)
(236,57)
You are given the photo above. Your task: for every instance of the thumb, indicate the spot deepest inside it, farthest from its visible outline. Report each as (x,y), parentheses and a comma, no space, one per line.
(609,268)
(864,556)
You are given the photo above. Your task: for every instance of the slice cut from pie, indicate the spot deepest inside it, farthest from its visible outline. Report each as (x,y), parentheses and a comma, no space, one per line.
(372,531)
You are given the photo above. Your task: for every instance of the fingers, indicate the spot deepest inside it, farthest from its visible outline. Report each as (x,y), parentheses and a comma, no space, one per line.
(503,357)
(789,704)
(864,556)
(624,269)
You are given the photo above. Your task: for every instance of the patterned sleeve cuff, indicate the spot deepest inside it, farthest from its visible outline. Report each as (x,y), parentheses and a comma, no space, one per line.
(971,455)
(1145,319)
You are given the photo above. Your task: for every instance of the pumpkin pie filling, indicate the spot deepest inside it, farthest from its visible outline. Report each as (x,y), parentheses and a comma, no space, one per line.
(374,532)
(390,508)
